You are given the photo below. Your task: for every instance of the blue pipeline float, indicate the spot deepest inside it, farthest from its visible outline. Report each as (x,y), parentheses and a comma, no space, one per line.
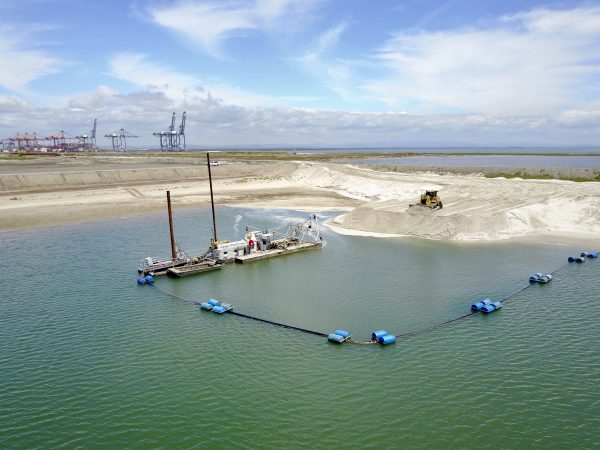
(387,339)
(383,337)
(578,259)
(148,279)
(486,306)
(342,333)
(375,335)
(216,306)
(480,304)
(339,336)
(210,304)
(539,278)
(589,254)
(222,308)
(336,338)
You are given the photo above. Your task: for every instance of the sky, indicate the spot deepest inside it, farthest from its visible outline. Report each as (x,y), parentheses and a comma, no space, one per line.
(303,73)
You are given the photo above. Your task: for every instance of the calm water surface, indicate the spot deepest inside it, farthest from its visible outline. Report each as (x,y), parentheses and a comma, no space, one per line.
(408,149)
(531,161)
(89,359)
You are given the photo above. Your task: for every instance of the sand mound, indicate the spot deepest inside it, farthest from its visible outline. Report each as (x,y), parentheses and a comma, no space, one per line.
(475,208)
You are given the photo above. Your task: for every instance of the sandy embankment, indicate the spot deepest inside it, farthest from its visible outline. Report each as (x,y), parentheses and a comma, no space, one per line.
(43,195)
(475,208)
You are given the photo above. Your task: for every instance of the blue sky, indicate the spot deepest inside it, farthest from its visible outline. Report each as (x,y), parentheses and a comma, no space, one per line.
(305,72)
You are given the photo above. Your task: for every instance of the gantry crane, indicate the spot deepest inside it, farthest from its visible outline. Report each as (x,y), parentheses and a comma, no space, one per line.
(119,140)
(59,140)
(173,140)
(89,141)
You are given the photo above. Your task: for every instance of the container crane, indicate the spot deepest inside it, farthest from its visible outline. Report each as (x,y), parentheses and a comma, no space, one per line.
(119,140)
(59,140)
(89,141)
(171,140)
(181,135)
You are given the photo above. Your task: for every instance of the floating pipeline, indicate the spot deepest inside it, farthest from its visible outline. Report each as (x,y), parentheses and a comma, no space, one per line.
(486,306)
(377,337)
(539,278)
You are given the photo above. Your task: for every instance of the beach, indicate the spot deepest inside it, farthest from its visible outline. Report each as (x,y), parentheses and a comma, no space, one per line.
(48,192)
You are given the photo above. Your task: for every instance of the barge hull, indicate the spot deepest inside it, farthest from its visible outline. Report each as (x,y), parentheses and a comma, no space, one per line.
(191,270)
(276,252)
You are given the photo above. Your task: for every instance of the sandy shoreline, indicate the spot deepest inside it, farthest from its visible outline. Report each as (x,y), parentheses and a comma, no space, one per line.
(377,202)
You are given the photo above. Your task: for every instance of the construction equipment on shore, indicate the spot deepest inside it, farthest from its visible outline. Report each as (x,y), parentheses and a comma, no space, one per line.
(430,199)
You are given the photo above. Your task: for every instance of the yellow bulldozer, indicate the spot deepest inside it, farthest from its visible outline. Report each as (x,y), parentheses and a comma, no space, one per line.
(431,199)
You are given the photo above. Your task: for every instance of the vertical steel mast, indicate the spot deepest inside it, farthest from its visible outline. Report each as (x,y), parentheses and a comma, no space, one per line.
(173,245)
(212,201)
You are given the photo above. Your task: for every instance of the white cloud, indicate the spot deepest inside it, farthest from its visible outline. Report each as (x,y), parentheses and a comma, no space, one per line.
(529,63)
(137,69)
(211,122)
(9,103)
(179,87)
(325,43)
(564,22)
(22,61)
(334,73)
(207,24)
(101,97)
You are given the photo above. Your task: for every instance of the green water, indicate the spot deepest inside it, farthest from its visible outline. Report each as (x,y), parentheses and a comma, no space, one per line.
(89,359)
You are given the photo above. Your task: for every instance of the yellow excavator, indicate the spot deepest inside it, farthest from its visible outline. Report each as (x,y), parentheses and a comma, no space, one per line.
(431,199)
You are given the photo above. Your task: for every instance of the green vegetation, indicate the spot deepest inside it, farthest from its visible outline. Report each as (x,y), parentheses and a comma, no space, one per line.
(275,155)
(540,176)
(519,174)
(247,180)
(314,155)
(16,157)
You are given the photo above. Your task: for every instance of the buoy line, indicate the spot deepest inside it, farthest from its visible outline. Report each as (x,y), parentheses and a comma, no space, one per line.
(246,316)
(343,336)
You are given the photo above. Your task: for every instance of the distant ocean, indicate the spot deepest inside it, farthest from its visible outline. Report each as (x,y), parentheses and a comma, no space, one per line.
(530,161)
(427,150)
(592,150)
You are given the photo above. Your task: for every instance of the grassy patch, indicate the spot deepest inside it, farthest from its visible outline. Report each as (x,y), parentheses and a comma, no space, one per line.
(541,176)
(248,180)
(14,157)
(275,155)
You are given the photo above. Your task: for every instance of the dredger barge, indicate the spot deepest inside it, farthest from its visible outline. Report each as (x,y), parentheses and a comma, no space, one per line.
(257,244)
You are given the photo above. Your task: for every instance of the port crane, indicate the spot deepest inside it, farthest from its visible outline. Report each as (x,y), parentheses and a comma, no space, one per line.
(119,140)
(174,138)
(89,140)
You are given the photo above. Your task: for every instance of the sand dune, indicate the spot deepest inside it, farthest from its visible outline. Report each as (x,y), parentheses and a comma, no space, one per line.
(475,208)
